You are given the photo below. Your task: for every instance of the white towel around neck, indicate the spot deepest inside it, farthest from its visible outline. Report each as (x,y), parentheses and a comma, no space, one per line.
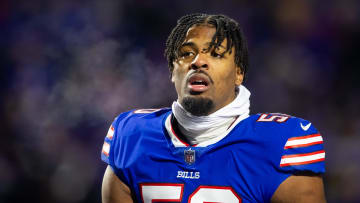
(202,128)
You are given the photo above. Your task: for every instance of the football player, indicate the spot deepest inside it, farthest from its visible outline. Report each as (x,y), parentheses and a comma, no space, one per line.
(206,147)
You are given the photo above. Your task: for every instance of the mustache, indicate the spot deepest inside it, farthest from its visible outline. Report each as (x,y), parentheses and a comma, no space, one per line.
(202,72)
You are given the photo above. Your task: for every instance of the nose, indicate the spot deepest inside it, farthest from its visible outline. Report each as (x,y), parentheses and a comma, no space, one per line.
(199,61)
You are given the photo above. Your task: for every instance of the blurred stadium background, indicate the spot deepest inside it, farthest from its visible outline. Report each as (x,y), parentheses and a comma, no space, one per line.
(69,67)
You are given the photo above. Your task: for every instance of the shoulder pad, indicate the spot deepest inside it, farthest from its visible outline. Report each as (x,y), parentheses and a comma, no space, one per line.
(302,144)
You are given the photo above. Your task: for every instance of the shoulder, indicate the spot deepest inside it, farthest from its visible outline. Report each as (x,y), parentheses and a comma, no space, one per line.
(126,130)
(282,123)
(139,117)
(129,126)
(300,143)
(143,113)
(133,122)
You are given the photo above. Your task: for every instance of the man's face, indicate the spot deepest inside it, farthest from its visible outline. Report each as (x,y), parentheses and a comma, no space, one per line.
(203,78)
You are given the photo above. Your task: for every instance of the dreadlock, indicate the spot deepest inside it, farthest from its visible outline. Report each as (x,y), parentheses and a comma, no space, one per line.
(226,28)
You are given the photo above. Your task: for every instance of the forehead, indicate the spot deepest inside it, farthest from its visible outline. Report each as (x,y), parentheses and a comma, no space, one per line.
(205,32)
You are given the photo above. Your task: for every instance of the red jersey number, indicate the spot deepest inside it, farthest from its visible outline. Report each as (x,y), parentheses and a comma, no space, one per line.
(153,192)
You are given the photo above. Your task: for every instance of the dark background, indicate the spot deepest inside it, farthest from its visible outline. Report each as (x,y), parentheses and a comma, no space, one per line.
(69,67)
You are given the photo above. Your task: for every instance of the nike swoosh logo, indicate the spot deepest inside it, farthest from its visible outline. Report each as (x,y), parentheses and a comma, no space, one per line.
(306,127)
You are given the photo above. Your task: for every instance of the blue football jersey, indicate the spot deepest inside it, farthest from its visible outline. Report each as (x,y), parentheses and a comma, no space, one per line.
(246,164)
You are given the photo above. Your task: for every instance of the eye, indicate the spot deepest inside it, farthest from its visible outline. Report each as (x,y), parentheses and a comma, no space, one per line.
(186,54)
(216,55)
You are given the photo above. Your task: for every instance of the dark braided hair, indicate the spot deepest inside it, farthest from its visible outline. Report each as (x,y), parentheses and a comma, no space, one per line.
(226,28)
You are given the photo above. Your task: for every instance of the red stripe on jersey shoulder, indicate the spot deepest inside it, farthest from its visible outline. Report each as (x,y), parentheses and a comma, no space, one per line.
(106,148)
(304,137)
(110,133)
(301,155)
(302,163)
(303,145)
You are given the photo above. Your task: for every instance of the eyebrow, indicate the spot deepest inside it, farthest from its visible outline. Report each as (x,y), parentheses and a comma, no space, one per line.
(192,44)
(208,44)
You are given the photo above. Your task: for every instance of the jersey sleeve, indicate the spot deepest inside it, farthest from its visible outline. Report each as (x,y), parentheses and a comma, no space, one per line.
(111,152)
(303,150)
(108,141)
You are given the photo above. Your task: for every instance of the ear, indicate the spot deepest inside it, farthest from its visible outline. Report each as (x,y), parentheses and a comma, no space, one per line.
(239,76)
(173,72)
(172,76)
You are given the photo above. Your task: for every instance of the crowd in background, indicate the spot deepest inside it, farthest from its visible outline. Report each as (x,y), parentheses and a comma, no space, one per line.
(67,68)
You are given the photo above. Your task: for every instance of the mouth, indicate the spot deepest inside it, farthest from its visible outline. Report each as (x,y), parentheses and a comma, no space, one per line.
(198,83)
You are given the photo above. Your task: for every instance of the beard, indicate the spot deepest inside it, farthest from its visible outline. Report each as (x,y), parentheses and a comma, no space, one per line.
(198,106)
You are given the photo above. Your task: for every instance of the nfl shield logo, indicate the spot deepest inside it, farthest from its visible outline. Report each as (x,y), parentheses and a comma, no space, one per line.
(189,156)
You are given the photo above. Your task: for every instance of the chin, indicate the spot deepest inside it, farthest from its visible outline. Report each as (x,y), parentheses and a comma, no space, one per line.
(198,106)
